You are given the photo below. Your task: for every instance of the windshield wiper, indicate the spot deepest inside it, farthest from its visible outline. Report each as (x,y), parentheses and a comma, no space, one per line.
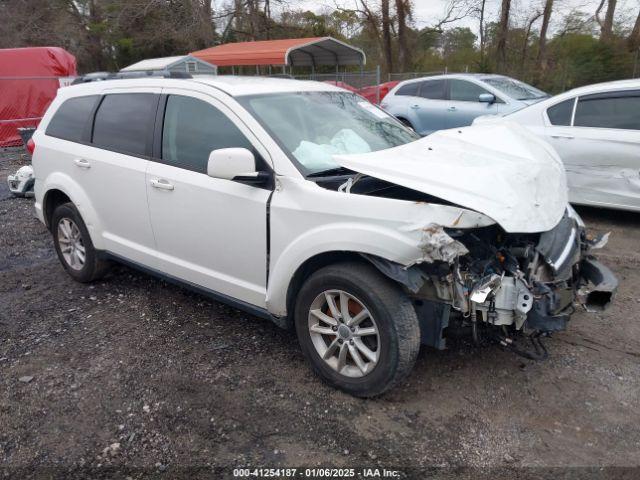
(331,172)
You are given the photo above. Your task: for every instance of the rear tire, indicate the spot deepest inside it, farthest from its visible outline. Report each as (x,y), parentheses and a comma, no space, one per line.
(376,322)
(74,246)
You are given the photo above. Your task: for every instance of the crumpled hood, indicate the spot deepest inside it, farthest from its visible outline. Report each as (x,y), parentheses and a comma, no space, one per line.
(500,170)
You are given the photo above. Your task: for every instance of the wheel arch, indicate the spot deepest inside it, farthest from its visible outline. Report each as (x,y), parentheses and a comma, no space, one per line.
(60,188)
(329,244)
(321,260)
(52,199)
(308,267)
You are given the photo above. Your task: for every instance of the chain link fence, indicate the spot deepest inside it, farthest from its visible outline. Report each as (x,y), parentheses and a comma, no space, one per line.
(23,101)
(366,83)
(356,80)
(399,77)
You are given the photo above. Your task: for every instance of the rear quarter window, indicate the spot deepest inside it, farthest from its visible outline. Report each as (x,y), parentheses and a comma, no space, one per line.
(71,120)
(560,113)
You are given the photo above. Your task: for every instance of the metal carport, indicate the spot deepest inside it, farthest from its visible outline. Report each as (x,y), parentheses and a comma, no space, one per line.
(294,52)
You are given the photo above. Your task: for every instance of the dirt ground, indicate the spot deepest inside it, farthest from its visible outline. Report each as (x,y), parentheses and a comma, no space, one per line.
(134,377)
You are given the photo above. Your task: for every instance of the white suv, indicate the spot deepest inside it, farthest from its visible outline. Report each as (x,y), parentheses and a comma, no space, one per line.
(303,203)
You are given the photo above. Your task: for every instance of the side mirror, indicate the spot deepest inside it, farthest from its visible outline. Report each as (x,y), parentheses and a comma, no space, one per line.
(237,164)
(487,98)
(229,163)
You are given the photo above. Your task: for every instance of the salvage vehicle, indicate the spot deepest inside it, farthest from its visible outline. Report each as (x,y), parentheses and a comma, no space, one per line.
(596,132)
(305,204)
(454,100)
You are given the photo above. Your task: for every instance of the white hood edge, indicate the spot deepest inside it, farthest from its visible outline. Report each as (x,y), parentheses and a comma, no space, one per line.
(500,170)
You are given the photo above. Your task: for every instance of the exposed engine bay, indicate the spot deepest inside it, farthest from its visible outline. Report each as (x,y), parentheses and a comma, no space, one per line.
(509,283)
(487,280)
(515,258)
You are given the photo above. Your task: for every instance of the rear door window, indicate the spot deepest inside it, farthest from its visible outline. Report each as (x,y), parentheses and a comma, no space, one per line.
(124,122)
(620,110)
(71,120)
(560,114)
(433,89)
(193,129)
(410,89)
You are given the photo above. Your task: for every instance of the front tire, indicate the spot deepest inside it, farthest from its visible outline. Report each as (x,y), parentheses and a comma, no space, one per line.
(73,245)
(357,329)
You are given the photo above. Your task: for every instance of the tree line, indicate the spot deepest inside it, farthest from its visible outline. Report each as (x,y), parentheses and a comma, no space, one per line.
(582,47)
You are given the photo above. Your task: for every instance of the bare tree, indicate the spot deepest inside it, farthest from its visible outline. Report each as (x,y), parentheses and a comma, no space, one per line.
(503,30)
(386,35)
(527,33)
(454,11)
(403,11)
(633,41)
(542,42)
(482,36)
(606,25)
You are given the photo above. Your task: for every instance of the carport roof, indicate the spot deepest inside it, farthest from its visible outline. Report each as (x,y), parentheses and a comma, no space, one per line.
(292,52)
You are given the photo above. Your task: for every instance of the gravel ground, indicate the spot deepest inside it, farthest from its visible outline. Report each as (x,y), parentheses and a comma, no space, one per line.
(133,376)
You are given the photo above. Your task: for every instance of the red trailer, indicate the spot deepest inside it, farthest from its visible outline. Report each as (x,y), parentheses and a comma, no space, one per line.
(29,80)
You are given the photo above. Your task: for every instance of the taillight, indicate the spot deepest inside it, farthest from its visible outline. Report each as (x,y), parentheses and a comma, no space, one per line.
(31,146)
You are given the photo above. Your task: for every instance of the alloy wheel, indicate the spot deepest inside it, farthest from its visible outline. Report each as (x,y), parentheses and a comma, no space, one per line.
(344,333)
(70,243)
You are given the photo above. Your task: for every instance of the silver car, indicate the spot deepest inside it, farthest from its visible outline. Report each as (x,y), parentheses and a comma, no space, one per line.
(455,100)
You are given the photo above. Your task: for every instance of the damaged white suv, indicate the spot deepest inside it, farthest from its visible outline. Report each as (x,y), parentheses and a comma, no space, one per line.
(302,203)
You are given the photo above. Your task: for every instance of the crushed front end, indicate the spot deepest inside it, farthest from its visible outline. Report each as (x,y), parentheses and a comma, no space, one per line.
(509,283)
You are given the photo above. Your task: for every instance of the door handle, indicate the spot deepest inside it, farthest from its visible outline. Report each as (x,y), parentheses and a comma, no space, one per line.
(452,109)
(161,183)
(82,163)
(415,107)
(568,137)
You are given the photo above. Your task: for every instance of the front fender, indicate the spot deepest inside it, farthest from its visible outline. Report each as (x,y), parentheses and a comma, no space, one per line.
(77,195)
(393,245)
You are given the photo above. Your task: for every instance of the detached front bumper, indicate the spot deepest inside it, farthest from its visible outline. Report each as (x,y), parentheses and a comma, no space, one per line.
(547,307)
(600,285)
(21,183)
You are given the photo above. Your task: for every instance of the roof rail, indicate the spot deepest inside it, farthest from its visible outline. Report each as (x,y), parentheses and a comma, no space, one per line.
(100,76)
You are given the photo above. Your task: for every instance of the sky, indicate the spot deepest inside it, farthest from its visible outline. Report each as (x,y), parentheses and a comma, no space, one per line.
(427,12)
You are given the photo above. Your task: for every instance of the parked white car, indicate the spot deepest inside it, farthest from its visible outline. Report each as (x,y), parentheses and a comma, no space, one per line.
(596,132)
(305,204)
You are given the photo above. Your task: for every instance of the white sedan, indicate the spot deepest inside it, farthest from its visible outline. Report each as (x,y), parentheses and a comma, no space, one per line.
(596,132)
